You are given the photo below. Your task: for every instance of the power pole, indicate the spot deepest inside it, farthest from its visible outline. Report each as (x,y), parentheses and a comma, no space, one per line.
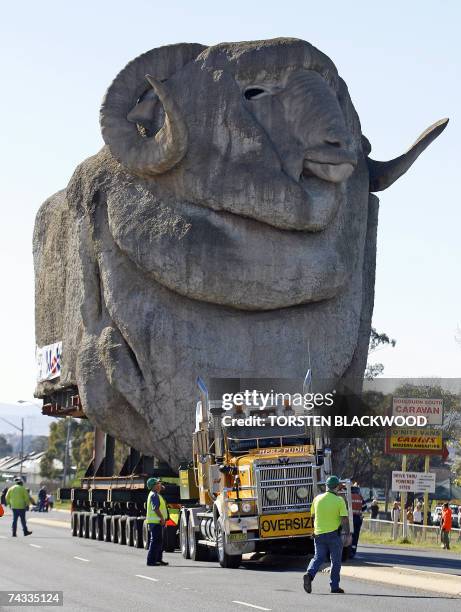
(20,429)
(22,447)
(66,451)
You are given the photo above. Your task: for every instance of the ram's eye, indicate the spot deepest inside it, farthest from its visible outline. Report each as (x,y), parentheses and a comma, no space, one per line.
(253,93)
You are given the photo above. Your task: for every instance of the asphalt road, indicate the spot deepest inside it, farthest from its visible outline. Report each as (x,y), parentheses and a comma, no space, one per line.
(412,558)
(102,576)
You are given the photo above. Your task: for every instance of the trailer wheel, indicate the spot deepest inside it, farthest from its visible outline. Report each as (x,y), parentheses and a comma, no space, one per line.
(114,525)
(197,551)
(145,536)
(129,528)
(225,560)
(81,519)
(107,528)
(183,535)
(74,524)
(85,525)
(99,527)
(169,538)
(92,526)
(137,533)
(122,530)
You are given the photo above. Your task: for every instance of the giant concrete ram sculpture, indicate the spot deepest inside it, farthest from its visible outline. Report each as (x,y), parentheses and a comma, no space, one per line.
(227,223)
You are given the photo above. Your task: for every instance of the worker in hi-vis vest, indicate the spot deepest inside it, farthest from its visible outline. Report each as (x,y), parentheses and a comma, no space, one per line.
(156,517)
(331,532)
(18,498)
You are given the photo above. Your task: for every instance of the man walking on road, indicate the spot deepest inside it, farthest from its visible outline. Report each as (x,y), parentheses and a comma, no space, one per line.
(330,520)
(157,514)
(445,526)
(18,499)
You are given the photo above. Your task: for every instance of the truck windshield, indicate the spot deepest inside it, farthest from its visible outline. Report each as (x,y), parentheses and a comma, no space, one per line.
(241,439)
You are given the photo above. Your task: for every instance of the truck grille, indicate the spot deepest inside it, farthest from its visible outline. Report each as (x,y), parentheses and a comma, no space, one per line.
(285,479)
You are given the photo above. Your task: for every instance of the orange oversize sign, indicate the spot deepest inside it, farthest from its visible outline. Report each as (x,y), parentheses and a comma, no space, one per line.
(416,441)
(286,525)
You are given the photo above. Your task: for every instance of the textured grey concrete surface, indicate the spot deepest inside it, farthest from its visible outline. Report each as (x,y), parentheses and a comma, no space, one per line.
(227,224)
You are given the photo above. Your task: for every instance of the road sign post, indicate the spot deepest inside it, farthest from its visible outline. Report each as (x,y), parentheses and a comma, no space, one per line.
(403,500)
(426,496)
(415,482)
(418,441)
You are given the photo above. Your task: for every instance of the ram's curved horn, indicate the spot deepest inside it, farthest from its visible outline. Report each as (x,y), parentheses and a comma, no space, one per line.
(383,174)
(155,155)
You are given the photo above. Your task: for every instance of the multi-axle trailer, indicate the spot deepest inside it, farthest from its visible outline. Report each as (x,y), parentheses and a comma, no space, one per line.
(113,508)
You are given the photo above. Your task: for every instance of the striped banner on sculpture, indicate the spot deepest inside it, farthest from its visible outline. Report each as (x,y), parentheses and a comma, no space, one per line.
(48,360)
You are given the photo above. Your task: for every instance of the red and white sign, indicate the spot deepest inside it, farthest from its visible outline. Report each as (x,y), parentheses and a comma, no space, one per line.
(414,482)
(48,359)
(432,409)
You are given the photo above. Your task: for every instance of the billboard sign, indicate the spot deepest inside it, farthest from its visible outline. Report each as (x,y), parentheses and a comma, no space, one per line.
(431,408)
(414,482)
(416,441)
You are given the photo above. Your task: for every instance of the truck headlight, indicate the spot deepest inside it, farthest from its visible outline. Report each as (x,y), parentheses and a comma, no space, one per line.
(272,494)
(302,492)
(234,507)
(246,507)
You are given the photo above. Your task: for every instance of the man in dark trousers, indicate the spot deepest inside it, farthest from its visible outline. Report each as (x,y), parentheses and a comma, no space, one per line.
(331,532)
(18,499)
(358,506)
(156,517)
(42,499)
(445,526)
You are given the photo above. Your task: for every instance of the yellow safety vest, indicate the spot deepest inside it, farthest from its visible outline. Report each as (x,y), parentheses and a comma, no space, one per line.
(151,516)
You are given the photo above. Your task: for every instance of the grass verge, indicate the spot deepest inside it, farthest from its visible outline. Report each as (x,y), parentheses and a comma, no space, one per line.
(62,505)
(374,538)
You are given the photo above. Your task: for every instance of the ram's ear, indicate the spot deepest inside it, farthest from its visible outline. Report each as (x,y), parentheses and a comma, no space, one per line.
(143,111)
(383,174)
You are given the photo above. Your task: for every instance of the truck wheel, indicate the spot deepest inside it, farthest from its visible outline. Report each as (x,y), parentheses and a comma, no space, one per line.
(225,560)
(107,528)
(129,528)
(197,551)
(169,538)
(183,535)
(92,526)
(137,533)
(145,536)
(122,531)
(114,525)
(74,524)
(99,527)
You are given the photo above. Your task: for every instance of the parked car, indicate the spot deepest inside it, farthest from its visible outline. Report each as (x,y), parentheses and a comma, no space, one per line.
(437,515)
(455,515)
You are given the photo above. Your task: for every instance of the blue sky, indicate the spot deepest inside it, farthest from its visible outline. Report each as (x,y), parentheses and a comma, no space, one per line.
(401,61)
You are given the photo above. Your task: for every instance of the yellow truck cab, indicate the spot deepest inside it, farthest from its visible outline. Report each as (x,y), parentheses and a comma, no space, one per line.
(255,481)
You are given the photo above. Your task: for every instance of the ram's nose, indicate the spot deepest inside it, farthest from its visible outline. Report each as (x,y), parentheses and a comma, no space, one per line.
(333,158)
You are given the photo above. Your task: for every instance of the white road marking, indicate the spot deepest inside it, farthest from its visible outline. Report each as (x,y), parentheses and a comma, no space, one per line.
(82,559)
(410,569)
(244,603)
(3,537)
(35,545)
(147,577)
